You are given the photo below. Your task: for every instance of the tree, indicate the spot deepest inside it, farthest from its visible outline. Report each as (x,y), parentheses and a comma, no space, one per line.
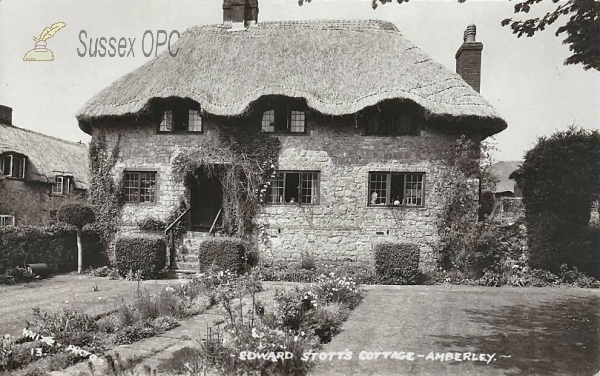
(77,214)
(582,29)
(560,180)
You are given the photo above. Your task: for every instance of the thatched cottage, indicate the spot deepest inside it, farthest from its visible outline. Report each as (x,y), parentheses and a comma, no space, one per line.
(38,173)
(367,124)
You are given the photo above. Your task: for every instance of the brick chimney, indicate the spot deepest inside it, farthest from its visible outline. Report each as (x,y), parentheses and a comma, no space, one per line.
(240,12)
(5,115)
(468,58)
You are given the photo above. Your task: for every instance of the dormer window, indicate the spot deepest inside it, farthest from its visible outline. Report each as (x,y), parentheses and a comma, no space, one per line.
(391,124)
(13,166)
(62,185)
(181,117)
(284,120)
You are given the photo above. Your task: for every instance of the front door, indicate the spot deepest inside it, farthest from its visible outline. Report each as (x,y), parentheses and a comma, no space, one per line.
(207,199)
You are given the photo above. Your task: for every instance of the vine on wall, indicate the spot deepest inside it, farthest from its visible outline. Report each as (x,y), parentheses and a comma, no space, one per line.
(244,161)
(104,194)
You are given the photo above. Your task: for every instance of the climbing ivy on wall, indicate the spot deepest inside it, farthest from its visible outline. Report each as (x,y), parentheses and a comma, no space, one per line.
(245,161)
(105,195)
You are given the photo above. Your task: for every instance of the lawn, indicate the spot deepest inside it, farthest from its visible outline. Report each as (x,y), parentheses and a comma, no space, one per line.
(69,290)
(531,331)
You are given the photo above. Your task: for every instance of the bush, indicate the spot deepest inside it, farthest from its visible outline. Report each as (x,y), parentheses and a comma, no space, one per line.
(223,254)
(330,288)
(53,245)
(75,213)
(326,320)
(68,327)
(151,224)
(397,263)
(143,253)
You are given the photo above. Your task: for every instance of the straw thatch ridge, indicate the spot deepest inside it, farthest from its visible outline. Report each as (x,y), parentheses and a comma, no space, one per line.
(47,156)
(338,67)
(503,170)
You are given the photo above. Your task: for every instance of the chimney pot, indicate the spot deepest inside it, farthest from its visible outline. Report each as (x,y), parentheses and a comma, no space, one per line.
(470,32)
(5,115)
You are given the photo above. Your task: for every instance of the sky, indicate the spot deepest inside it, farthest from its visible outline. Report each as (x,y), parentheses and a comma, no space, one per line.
(524,79)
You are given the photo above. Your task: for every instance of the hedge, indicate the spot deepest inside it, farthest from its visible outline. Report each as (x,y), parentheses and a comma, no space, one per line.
(397,263)
(53,245)
(146,254)
(225,253)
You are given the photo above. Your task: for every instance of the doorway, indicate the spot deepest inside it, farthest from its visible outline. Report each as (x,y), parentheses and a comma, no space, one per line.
(206,199)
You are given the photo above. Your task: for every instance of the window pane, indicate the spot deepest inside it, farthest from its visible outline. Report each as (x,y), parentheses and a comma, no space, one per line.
(292,183)
(309,188)
(414,189)
(268,121)
(147,186)
(132,184)
(378,189)
(7,165)
(297,121)
(167,121)
(277,192)
(397,189)
(195,121)
(58,185)
(18,167)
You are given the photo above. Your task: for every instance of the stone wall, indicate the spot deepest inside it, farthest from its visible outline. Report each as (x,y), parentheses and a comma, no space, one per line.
(342,226)
(30,202)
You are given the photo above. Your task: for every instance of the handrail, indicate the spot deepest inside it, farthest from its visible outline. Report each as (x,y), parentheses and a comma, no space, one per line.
(215,221)
(169,227)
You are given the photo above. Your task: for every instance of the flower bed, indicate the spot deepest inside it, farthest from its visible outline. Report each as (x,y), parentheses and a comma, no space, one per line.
(56,340)
(272,339)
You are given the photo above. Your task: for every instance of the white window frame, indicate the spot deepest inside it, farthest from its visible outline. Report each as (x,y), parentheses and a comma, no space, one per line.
(7,220)
(194,123)
(410,196)
(311,179)
(295,120)
(65,182)
(11,169)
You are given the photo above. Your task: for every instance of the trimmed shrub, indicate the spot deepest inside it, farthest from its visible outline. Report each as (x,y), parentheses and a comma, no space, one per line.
(223,254)
(397,263)
(151,224)
(144,253)
(53,245)
(75,213)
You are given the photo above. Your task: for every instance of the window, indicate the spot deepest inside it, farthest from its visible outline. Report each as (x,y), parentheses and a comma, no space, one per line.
(181,119)
(396,189)
(391,123)
(7,220)
(140,187)
(62,185)
(284,120)
(13,166)
(290,187)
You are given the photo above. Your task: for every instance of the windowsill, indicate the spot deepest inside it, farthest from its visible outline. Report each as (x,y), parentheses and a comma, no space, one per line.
(384,206)
(390,135)
(287,133)
(288,204)
(12,178)
(135,203)
(180,132)
(62,194)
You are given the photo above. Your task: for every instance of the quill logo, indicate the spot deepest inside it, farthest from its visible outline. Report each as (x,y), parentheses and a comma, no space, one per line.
(40,52)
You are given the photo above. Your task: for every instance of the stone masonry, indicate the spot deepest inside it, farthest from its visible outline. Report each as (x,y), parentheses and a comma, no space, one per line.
(342,227)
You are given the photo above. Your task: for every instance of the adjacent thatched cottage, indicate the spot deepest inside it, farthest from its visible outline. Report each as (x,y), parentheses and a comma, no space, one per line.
(367,124)
(38,173)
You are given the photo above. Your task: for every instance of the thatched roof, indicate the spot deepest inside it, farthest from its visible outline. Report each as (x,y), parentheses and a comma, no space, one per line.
(46,156)
(503,170)
(338,67)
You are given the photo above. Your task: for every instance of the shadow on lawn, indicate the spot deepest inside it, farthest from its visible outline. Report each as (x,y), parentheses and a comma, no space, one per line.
(552,338)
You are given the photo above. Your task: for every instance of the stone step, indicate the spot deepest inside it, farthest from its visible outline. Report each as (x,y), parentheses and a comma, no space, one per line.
(181,273)
(188,257)
(185,265)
